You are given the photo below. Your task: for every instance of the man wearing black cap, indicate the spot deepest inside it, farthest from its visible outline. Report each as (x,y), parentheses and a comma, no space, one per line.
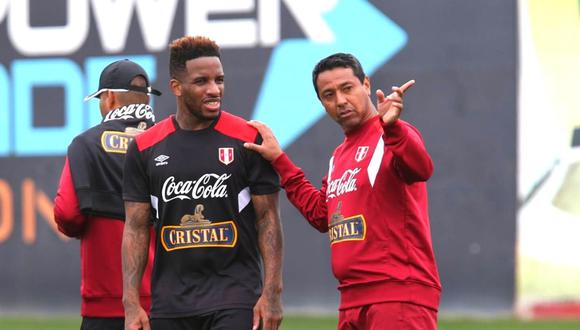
(89,203)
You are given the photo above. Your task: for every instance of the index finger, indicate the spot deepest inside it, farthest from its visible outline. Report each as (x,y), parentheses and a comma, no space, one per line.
(407,85)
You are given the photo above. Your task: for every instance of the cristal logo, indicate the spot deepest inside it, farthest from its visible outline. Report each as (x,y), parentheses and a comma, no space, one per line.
(207,186)
(131,111)
(345,184)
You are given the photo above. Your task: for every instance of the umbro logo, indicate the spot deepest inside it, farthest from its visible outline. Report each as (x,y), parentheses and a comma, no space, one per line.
(161,160)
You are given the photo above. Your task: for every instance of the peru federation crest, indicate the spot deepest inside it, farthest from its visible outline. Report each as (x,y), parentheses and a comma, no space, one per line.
(226,155)
(361,153)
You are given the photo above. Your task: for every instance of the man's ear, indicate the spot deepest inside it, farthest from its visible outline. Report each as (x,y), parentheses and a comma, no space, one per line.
(367,85)
(175,86)
(110,99)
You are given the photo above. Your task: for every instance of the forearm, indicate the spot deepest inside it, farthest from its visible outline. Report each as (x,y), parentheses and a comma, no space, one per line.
(135,250)
(309,200)
(412,160)
(270,243)
(67,215)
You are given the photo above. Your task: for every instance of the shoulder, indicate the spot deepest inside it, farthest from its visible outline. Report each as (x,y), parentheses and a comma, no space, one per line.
(155,134)
(339,148)
(236,127)
(87,137)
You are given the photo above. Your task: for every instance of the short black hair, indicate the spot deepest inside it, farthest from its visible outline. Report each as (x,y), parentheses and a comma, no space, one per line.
(189,48)
(338,60)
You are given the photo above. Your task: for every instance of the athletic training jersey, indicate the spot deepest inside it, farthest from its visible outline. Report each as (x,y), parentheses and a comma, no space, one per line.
(199,184)
(89,206)
(373,204)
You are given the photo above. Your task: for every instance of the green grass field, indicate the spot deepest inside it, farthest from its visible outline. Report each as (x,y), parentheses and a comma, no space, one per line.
(308,323)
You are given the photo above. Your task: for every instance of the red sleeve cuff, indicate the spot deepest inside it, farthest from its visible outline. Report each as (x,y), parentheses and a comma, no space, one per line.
(395,133)
(284,166)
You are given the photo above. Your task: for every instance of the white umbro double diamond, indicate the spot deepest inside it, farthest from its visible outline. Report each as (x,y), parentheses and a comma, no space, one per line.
(161,160)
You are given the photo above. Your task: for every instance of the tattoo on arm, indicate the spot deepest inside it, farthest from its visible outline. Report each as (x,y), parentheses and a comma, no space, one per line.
(135,249)
(270,241)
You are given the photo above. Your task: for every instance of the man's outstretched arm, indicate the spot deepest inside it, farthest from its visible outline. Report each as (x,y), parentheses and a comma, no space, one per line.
(308,199)
(412,162)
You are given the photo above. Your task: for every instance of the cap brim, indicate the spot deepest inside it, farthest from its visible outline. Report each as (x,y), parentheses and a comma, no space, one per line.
(154,91)
(146,90)
(92,96)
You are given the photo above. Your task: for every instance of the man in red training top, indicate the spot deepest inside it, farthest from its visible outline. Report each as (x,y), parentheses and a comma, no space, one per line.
(373,202)
(89,203)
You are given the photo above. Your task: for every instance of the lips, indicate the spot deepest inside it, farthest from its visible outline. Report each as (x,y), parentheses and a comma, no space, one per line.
(212,104)
(343,114)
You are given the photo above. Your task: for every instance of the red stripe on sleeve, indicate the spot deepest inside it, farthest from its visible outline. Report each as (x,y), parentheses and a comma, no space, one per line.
(236,127)
(155,134)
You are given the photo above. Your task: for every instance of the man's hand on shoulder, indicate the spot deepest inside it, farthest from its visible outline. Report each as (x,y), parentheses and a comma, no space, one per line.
(270,148)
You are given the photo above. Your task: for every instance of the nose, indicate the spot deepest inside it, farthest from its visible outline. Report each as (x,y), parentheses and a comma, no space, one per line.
(340,99)
(213,88)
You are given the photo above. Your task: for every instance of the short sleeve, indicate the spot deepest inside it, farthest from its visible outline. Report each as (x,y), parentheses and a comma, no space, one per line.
(262,177)
(135,178)
(81,168)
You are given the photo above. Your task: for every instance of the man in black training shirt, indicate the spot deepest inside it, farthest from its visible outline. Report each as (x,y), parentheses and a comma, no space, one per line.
(214,205)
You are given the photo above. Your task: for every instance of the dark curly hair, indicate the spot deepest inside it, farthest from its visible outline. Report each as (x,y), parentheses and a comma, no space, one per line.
(189,48)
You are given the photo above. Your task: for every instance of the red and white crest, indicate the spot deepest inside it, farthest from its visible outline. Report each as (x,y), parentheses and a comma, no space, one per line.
(226,155)
(361,153)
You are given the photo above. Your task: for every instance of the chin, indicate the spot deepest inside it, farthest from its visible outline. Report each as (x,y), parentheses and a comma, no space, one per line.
(211,114)
(349,125)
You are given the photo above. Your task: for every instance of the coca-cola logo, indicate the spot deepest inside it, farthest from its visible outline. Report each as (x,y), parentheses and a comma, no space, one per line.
(209,185)
(345,184)
(131,111)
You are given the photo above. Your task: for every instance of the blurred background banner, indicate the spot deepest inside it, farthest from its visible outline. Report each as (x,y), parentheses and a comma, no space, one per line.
(548,248)
(463,55)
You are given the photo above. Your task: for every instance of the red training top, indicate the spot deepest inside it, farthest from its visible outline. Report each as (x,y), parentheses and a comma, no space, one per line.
(373,204)
(101,237)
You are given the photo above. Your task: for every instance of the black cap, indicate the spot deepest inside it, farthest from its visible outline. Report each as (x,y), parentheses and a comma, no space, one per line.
(117,77)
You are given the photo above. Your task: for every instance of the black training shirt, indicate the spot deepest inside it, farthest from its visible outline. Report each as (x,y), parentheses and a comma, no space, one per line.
(199,184)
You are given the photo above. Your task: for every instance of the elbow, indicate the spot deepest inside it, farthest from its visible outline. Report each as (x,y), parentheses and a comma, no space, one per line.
(426,172)
(319,224)
(59,217)
(67,229)
(420,173)
(68,224)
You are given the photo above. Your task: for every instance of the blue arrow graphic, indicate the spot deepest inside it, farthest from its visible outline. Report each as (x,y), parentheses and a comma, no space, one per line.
(287,101)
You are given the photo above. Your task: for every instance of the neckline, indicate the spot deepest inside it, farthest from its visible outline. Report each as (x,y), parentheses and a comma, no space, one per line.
(362,128)
(196,131)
